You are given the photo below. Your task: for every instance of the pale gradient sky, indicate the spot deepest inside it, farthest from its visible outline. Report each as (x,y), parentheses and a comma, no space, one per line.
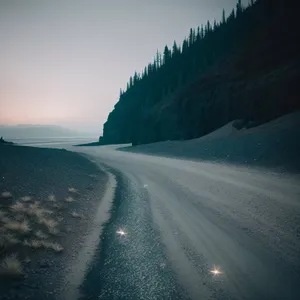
(63,61)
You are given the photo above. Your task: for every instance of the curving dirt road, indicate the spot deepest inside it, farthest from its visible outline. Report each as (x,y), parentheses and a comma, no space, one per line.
(192,230)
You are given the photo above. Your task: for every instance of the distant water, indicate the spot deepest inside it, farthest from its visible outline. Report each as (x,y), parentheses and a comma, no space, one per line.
(54,142)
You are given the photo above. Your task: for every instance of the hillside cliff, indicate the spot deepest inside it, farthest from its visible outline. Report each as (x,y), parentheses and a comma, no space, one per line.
(245,67)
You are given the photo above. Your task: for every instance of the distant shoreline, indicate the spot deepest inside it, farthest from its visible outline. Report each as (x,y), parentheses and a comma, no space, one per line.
(89,144)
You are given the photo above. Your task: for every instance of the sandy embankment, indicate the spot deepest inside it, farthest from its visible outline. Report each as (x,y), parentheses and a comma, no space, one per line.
(48,200)
(275,144)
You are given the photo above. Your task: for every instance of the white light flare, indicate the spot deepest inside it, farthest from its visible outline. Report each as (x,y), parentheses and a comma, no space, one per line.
(216,271)
(121,232)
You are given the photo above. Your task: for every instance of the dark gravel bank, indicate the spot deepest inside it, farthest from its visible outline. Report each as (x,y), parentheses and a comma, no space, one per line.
(47,199)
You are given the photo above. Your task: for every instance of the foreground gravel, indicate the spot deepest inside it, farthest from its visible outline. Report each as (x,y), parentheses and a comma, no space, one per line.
(38,173)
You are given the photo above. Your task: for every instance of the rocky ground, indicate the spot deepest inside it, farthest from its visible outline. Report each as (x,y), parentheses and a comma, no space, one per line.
(47,199)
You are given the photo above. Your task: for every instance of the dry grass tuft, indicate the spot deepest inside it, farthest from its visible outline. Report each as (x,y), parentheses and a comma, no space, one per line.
(73,190)
(38,213)
(46,211)
(69,199)
(19,207)
(53,231)
(10,266)
(51,225)
(34,210)
(6,195)
(41,235)
(51,198)
(35,205)
(35,244)
(54,246)
(40,244)
(26,198)
(57,247)
(22,227)
(74,214)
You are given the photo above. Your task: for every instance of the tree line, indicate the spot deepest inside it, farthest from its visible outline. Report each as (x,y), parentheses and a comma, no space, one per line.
(136,116)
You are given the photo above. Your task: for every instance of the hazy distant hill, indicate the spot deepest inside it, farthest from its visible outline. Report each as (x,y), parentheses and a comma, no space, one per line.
(36,131)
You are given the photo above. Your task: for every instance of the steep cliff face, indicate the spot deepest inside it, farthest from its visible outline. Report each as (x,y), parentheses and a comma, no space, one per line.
(254,77)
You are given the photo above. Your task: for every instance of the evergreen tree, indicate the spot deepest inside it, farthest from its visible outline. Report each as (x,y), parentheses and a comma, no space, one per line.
(215,25)
(185,45)
(191,37)
(157,59)
(135,78)
(167,54)
(207,28)
(239,8)
(202,32)
(231,17)
(223,17)
(175,49)
(198,37)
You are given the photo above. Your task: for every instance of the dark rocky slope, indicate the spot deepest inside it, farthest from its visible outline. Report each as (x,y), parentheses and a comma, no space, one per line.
(251,72)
